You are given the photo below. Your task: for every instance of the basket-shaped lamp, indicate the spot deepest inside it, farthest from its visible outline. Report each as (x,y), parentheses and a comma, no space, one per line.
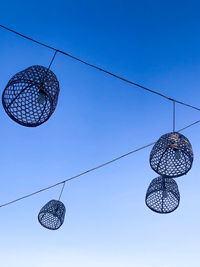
(172,155)
(31,96)
(162,195)
(52,215)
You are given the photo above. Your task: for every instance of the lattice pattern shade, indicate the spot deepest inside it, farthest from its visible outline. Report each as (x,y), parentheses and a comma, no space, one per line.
(172,155)
(163,195)
(31,96)
(52,215)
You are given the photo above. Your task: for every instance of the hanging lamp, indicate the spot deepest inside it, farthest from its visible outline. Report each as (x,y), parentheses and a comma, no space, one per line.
(172,155)
(31,96)
(162,195)
(52,214)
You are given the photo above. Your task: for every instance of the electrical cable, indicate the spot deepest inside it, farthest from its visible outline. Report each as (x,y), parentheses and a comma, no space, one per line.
(88,171)
(174,116)
(100,69)
(76,176)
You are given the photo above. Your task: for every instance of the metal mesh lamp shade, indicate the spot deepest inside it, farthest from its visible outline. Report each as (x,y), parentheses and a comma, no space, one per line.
(163,195)
(172,155)
(31,96)
(52,215)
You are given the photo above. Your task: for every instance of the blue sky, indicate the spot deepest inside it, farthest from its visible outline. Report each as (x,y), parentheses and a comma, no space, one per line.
(155,43)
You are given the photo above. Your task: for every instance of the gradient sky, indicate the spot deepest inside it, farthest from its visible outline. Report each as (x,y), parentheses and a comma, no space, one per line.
(154,43)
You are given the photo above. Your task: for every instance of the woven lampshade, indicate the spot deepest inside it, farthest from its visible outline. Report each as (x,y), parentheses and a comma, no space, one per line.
(31,96)
(52,215)
(172,155)
(163,195)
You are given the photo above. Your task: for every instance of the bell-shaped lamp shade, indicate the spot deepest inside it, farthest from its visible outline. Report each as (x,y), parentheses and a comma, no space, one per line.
(31,96)
(172,155)
(52,215)
(162,195)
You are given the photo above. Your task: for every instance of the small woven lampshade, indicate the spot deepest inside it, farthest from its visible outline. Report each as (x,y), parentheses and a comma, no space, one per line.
(52,215)
(31,96)
(172,155)
(162,195)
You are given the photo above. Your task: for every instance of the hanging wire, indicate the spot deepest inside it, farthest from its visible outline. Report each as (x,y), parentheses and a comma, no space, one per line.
(174,116)
(188,126)
(52,60)
(90,170)
(100,69)
(62,191)
(78,175)
(50,64)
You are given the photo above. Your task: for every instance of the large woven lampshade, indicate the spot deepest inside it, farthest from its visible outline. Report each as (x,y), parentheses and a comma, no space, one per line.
(172,155)
(31,96)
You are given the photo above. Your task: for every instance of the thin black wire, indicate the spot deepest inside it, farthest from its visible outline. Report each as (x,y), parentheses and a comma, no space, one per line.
(50,64)
(100,69)
(174,114)
(90,170)
(52,60)
(62,191)
(188,126)
(76,176)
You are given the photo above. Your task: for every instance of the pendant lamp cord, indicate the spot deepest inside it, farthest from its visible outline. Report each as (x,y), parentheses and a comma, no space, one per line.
(61,191)
(52,59)
(174,116)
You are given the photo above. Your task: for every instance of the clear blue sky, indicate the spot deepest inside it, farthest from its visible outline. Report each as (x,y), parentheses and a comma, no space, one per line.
(155,43)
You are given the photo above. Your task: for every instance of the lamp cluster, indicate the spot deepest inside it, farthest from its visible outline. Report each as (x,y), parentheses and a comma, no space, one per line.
(171,157)
(31,97)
